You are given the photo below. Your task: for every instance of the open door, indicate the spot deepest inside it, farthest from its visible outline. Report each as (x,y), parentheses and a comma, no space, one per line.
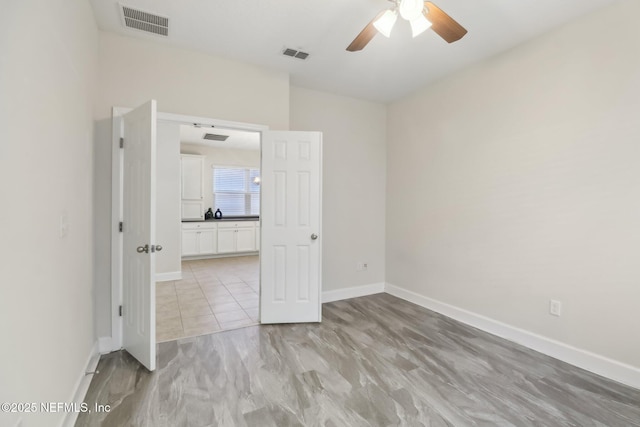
(139,229)
(291,206)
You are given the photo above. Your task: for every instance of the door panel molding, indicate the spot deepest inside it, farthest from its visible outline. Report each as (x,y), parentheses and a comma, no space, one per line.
(139,231)
(291,221)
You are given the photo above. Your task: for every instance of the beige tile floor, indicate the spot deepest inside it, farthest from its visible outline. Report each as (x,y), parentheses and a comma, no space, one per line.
(213,295)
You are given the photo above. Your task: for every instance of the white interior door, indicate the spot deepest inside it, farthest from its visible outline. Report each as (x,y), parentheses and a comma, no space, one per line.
(290,256)
(139,219)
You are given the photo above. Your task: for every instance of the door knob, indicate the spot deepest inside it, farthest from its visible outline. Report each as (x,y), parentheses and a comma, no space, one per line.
(158,248)
(142,249)
(314,236)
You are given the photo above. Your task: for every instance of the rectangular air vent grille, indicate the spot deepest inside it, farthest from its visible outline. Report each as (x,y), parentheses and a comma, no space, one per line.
(295,53)
(145,21)
(214,137)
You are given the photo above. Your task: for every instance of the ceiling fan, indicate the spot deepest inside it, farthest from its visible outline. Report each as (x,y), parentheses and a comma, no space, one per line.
(422,15)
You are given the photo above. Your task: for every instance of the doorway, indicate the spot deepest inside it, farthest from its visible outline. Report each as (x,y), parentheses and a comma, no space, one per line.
(220,235)
(289,237)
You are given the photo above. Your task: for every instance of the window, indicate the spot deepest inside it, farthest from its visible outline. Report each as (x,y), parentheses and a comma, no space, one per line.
(235,192)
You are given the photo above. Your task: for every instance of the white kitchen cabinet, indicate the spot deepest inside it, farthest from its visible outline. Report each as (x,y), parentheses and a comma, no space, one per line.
(192,209)
(207,242)
(225,237)
(245,239)
(190,244)
(192,186)
(237,236)
(192,172)
(226,240)
(199,239)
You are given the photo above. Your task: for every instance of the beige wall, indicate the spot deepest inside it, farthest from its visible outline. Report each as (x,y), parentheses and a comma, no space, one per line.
(132,71)
(354,173)
(220,157)
(516,181)
(47,68)
(168,230)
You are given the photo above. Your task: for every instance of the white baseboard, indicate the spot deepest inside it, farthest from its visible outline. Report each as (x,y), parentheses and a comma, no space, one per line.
(105,345)
(214,256)
(609,368)
(352,292)
(82,385)
(166,277)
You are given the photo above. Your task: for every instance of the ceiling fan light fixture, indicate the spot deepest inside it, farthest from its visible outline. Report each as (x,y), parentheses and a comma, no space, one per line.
(419,25)
(385,23)
(419,14)
(411,9)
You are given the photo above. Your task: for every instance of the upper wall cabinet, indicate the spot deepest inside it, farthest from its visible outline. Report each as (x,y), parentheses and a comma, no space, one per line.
(192,186)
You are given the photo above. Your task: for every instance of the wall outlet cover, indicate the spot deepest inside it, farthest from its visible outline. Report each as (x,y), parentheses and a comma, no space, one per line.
(555,307)
(362,266)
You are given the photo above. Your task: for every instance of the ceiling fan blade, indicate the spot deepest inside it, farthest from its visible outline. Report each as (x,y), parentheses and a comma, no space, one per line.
(444,25)
(365,35)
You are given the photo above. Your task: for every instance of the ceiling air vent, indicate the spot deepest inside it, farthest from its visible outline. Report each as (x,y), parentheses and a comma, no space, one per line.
(214,137)
(295,53)
(144,21)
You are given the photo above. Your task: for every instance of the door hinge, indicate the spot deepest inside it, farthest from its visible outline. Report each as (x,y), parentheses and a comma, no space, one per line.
(121,142)
(120,311)
(120,226)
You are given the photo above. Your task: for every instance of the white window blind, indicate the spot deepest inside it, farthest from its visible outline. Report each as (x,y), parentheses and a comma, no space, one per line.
(234,191)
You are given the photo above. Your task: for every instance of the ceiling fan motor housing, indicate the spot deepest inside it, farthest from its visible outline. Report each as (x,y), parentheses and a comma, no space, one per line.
(411,9)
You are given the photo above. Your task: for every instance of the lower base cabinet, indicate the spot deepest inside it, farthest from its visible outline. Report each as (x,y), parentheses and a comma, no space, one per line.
(236,237)
(199,239)
(245,239)
(210,238)
(226,240)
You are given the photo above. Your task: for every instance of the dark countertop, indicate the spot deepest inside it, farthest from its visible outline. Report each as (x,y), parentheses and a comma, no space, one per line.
(223,219)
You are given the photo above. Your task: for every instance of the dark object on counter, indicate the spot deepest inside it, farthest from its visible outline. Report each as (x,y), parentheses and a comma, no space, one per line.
(208,214)
(218,214)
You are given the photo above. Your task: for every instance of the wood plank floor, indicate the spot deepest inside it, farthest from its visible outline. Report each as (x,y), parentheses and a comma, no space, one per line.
(374,361)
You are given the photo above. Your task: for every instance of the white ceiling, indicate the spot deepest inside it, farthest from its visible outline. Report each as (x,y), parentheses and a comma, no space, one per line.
(238,140)
(256,31)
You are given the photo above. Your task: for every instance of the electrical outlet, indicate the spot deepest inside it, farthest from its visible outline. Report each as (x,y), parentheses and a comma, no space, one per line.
(555,307)
(362,266)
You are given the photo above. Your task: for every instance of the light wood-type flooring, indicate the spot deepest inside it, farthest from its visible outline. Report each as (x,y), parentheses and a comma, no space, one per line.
(373,361)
